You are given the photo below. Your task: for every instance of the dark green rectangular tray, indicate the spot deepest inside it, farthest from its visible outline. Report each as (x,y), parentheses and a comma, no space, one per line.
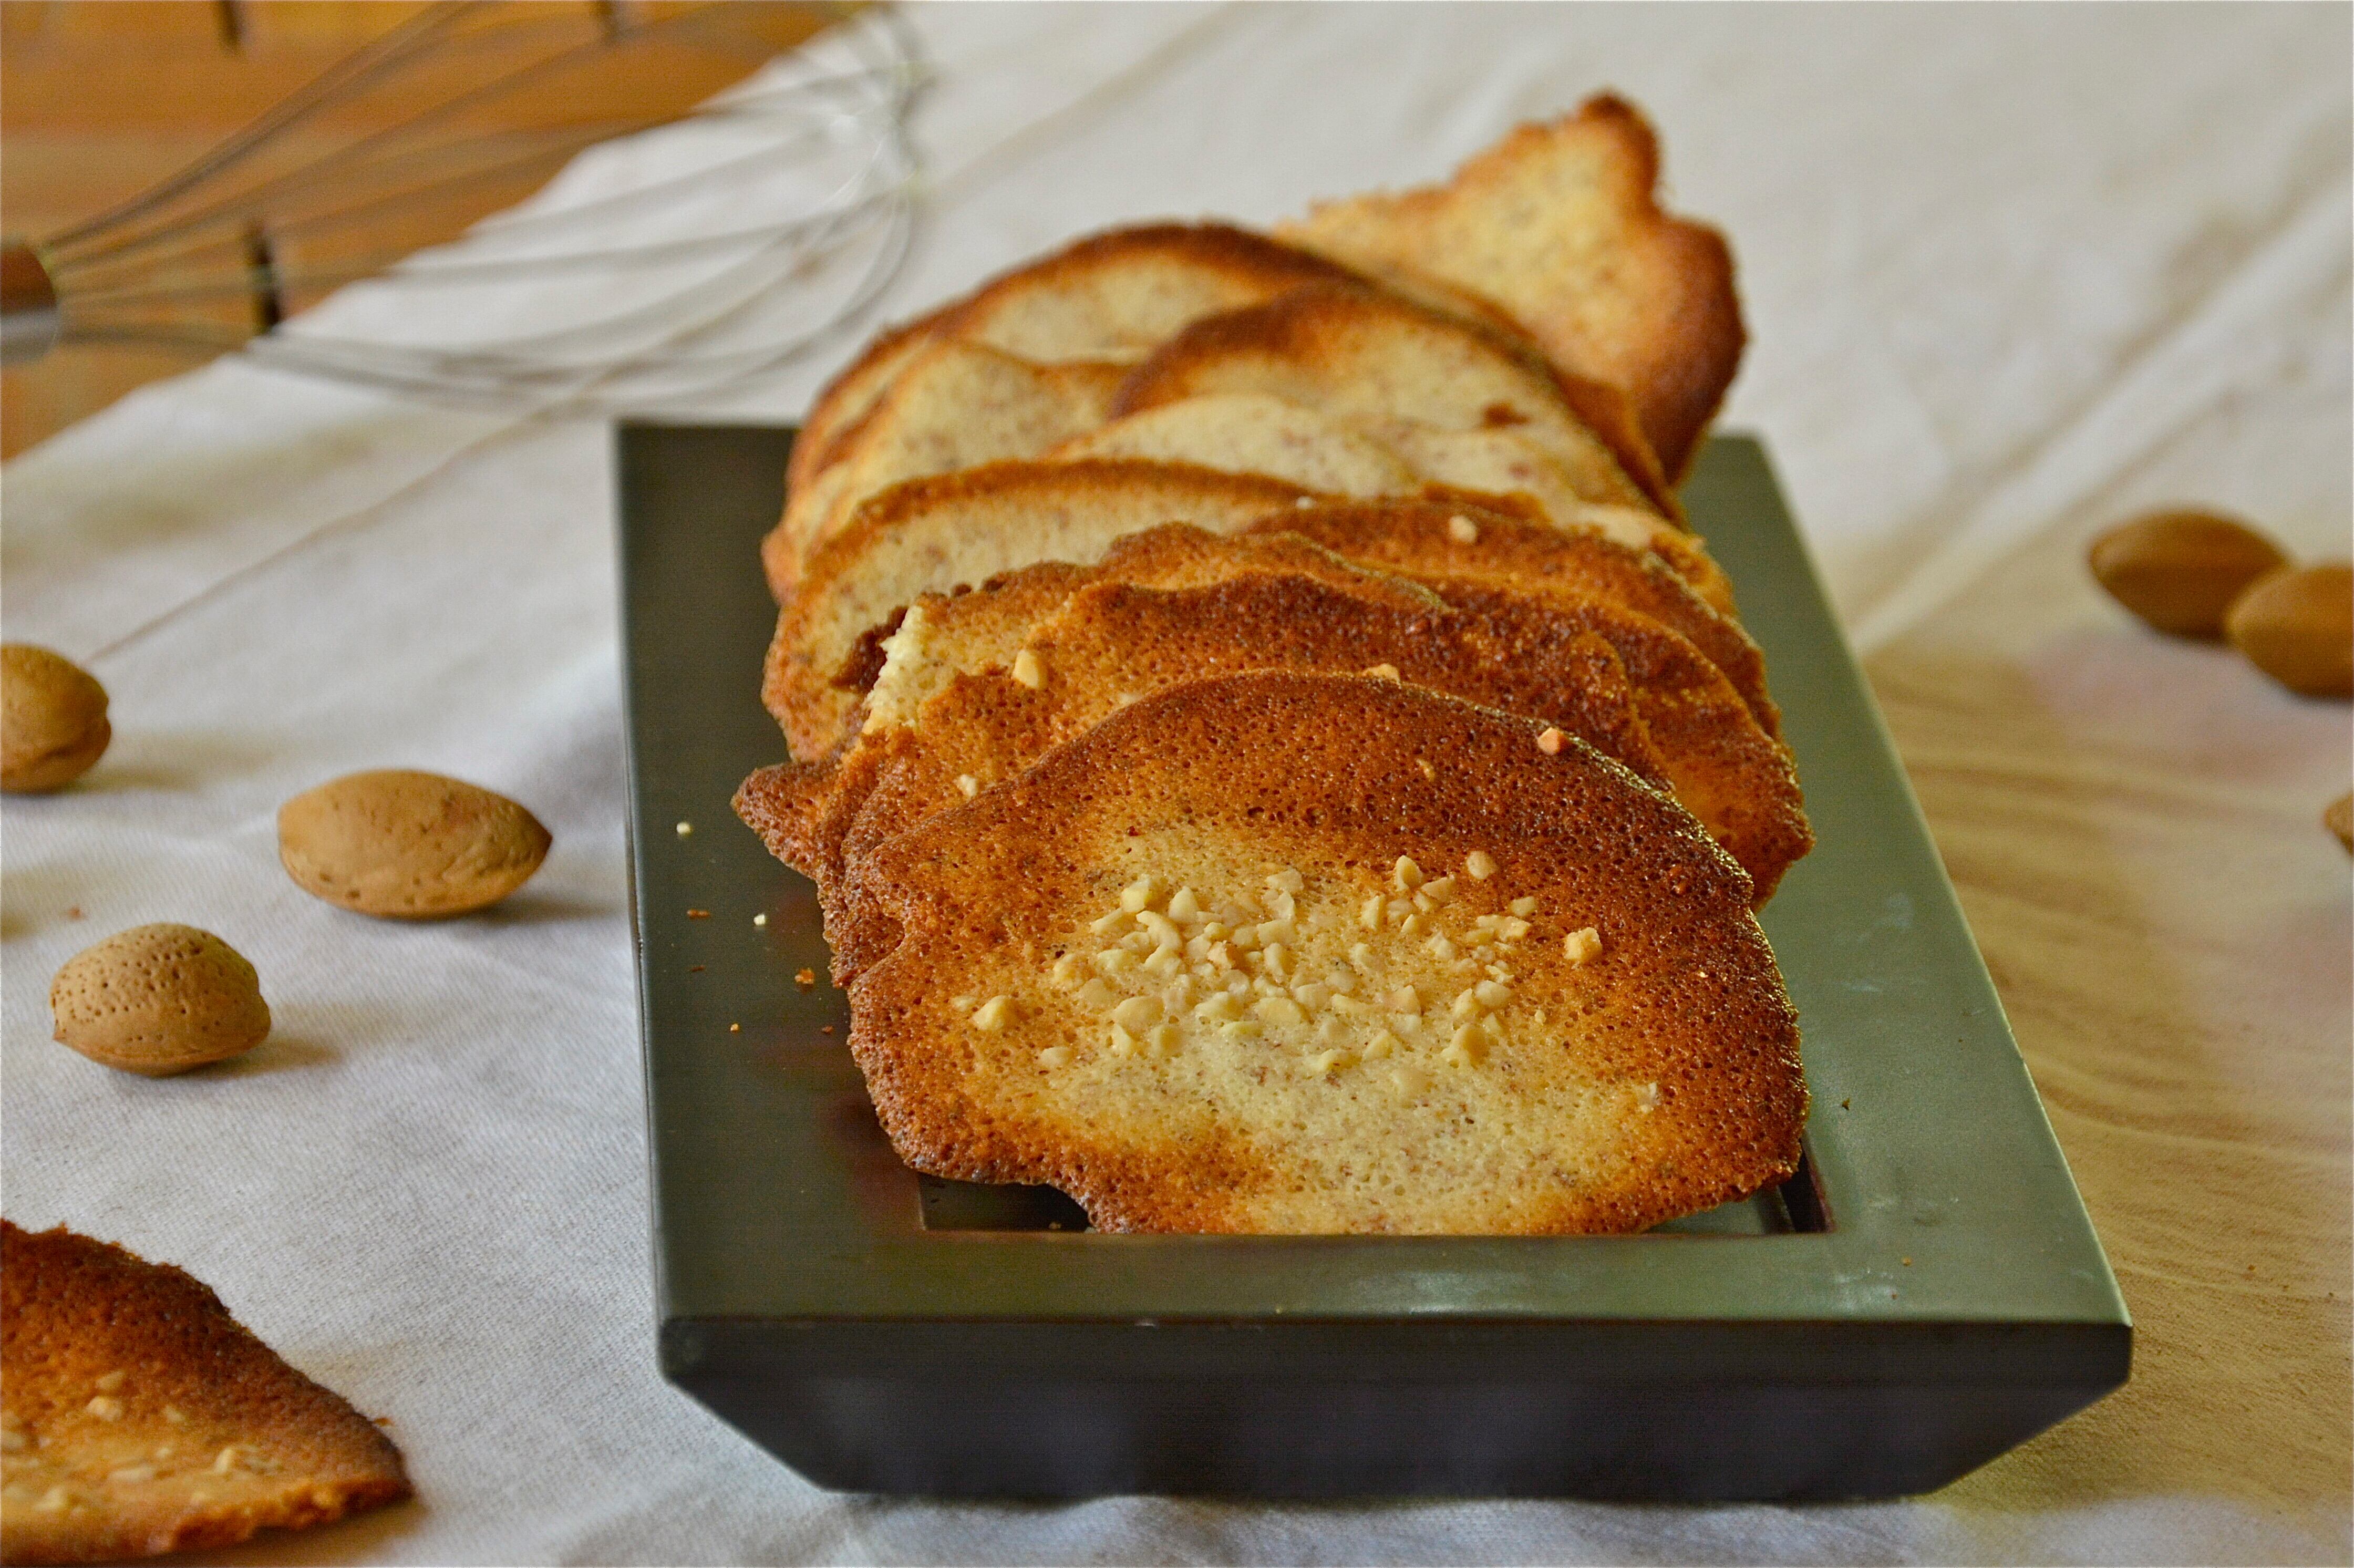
(1926,1295)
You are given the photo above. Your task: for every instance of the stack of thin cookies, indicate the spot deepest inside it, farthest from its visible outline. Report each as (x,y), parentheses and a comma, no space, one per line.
(1272,755)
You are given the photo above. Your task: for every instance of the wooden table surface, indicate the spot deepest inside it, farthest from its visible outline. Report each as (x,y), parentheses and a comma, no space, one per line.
(100,99)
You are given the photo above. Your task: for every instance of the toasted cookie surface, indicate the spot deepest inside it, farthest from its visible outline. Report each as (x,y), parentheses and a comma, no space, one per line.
(1368,456)
(1250,432)
(954,405)
(978,691)
(1462,542)
(946,634)
(1115,295)
(935,535)
(1680,551)
(806,810)
(1723,766)
(849,394)
(1366,354)
(1528,654)
(141,1418)
(1560,224)
(1107,297)
(1235,961)
(1116,642)
(1500,461)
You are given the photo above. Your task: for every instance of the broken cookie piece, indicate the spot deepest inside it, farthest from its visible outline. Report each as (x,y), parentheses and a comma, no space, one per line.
(141,1418)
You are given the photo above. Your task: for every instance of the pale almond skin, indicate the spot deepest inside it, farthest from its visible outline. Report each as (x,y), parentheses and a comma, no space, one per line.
(2296,625)
(2180,571)
(403,845)
(52,720)
(159,1000)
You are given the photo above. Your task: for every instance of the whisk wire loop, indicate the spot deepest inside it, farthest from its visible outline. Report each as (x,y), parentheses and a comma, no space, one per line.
(659,269)
(390,53)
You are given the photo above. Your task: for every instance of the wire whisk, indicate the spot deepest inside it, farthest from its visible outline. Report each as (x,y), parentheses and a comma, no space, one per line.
(658,267)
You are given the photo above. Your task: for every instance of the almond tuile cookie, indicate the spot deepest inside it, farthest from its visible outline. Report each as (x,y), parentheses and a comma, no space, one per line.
(1251,432)
(936,535)
(1626,1055)
(1367,353)
(1107,298)
(803,809)
(1115,643)
(944,634)
(954,404)
(1558,224)
(141,1418)
(1474,541)
(1661,706)
(1367,456)
(853,390)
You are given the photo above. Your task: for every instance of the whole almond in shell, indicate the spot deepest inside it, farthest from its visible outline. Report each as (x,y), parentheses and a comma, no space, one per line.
(403,845)
(2296,625)
(2180,571)
(52,719)
(159,1000)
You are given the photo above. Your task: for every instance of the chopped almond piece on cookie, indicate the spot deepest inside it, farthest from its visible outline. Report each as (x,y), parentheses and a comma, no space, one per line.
(1417,539)
(1596,1096)
(934,535)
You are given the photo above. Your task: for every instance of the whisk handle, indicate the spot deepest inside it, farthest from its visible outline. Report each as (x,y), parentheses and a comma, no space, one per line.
(29,320)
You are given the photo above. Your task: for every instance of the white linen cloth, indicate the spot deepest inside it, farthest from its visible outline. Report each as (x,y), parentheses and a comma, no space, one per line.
(2009,274)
